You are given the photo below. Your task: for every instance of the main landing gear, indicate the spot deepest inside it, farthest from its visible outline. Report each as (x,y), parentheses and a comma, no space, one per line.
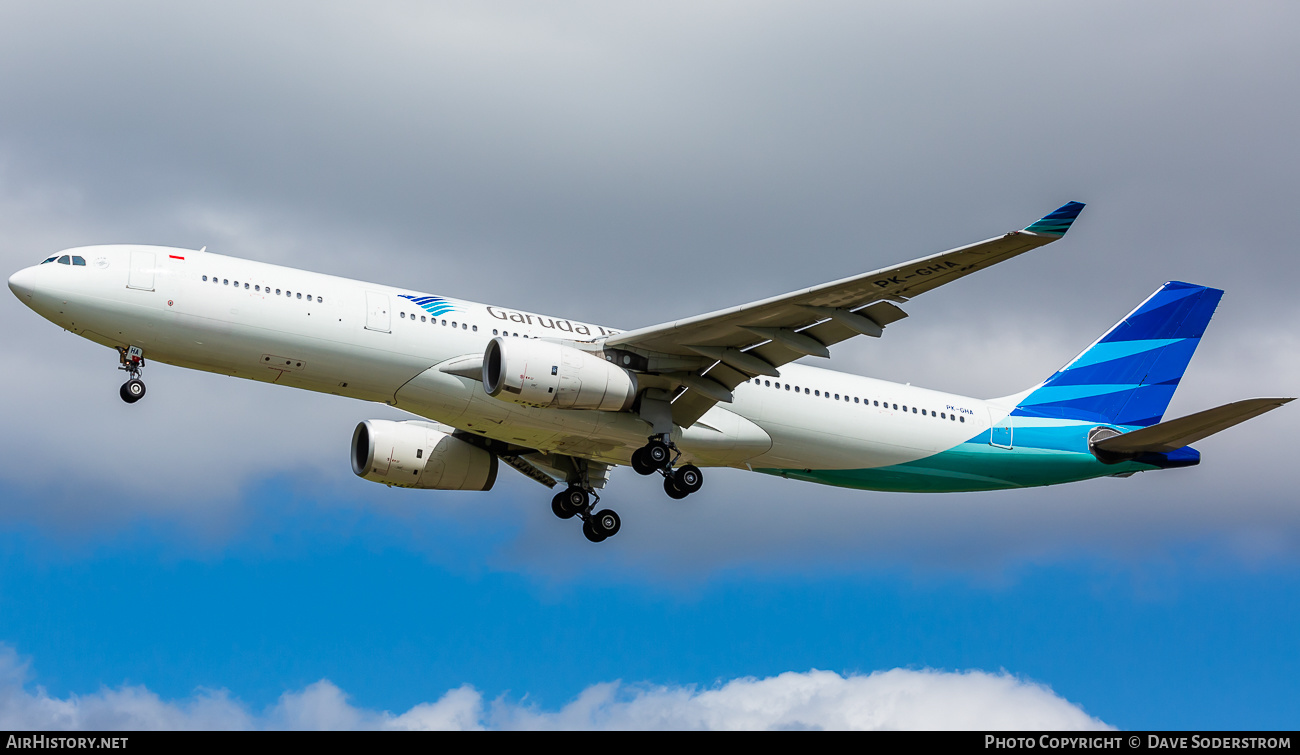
(132,362)
(580,501)
(660,455)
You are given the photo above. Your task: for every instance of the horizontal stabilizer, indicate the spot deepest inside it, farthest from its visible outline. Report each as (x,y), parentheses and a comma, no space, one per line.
(1177,433)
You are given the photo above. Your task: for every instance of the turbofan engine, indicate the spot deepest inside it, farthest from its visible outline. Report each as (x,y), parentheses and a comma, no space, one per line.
(544,373)
(415,454)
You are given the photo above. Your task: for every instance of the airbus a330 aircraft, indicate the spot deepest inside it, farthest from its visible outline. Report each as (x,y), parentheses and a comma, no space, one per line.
(564,401)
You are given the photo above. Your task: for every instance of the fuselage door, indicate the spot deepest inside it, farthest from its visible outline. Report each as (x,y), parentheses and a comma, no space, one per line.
(999,431)
(141,274)
(377,316)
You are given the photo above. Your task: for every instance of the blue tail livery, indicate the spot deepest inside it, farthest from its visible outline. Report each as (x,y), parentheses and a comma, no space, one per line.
(1129,375)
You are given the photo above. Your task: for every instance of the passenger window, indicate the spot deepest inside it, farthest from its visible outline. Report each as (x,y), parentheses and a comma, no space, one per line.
(205,278)
(963,419)
(767,383)
(855,399)
(225,281)
(277,292)
(421,318)
(837,397)
(475,328)
(236,284)
(320,299)
(245,286)
(914,410)
(896,407)
(403,315)
(464,326)
(300,295)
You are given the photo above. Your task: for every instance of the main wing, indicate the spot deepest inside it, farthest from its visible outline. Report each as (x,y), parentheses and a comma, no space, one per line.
(701,359)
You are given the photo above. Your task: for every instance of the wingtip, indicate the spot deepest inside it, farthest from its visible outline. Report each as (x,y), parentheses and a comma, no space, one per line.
(1059,221)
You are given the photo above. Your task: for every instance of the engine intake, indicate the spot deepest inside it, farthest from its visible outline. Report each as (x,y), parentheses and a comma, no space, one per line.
(415,454)
(547,374)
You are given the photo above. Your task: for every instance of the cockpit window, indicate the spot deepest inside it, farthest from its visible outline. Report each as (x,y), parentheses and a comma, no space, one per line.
(78,260)
(50,259)
(65,260)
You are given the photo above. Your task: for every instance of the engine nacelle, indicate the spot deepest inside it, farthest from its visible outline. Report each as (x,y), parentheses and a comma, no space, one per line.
(543,373)
(415,454)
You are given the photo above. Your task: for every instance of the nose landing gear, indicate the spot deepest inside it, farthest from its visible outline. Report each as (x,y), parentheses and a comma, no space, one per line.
(132,362)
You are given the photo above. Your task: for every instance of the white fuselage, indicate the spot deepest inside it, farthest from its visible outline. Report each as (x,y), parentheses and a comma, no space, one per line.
(334,335)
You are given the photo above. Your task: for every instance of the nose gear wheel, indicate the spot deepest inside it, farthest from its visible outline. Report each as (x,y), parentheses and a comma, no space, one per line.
(132,390)
(132,362)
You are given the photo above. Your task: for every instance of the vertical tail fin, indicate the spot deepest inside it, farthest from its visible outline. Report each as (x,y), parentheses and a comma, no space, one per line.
(1128,376)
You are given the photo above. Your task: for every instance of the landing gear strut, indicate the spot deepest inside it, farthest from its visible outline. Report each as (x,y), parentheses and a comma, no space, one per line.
(659,455)
(132,362)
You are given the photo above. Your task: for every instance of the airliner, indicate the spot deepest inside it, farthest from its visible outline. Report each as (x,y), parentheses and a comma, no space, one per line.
(563,401)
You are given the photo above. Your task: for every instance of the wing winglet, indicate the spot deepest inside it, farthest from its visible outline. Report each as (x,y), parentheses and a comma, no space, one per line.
(1058,222)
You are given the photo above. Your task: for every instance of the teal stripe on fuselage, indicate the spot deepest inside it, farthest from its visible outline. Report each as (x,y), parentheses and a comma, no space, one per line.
(1043,455)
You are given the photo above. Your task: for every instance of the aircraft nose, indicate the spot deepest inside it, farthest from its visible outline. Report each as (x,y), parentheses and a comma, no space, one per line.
(22,282)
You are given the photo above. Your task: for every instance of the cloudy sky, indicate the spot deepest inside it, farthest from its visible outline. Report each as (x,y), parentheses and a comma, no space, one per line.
(206,558)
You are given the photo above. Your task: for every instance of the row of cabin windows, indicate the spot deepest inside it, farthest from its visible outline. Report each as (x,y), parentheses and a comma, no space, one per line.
(67,259)
(863,401)
(434,320)
(463,325)
(258,288)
